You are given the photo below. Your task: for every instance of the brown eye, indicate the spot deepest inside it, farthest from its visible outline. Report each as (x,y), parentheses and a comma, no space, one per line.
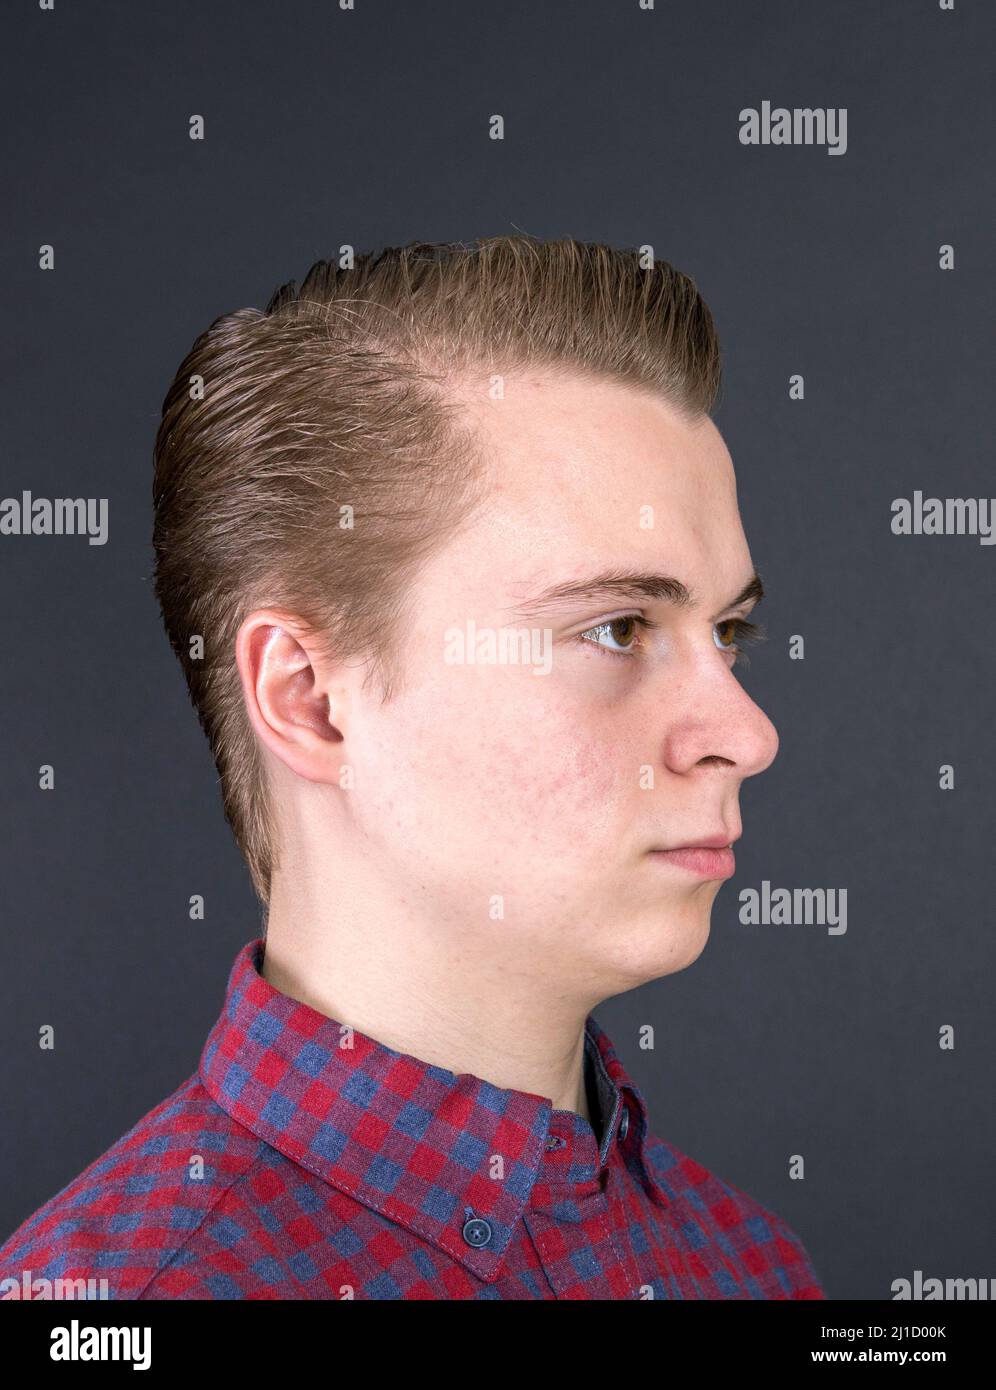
(731,634)
(622,631)
(628,626)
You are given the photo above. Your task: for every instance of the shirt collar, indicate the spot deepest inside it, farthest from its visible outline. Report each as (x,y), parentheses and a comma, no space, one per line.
(428,1149)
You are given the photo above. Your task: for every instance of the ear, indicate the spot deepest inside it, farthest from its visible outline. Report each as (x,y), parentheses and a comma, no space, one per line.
(295,705)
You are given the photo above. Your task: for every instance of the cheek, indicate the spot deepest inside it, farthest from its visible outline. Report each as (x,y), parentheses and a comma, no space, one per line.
(523,771)
(545,772)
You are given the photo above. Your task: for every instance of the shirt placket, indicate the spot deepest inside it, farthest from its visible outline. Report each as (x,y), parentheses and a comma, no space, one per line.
(569,1219)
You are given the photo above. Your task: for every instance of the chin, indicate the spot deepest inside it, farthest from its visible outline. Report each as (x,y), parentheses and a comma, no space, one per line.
(661,946)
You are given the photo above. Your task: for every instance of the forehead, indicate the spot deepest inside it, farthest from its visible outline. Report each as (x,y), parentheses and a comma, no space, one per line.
(585,471)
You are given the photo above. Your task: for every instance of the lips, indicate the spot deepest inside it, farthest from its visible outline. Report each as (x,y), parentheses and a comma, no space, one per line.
(709,857)
(719,840)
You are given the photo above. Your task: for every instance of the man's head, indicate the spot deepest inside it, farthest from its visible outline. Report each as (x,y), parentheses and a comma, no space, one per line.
(365,495)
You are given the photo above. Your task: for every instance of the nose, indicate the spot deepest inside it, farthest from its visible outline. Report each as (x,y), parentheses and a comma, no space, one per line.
(714,722)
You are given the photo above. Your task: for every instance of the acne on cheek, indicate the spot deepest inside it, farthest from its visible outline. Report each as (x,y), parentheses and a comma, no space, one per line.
(526,753)
(593,772)
(533,758)
(567,774)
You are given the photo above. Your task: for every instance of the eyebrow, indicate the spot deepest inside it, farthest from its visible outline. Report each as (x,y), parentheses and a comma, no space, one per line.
(626,584)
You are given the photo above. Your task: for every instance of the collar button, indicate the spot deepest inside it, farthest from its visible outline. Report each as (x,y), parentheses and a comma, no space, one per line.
(477,1231)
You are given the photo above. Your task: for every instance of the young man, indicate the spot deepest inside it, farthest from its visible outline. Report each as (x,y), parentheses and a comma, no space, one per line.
(449,550)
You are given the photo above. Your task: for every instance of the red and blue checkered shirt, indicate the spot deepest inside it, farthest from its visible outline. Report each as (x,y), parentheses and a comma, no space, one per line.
(304,1160)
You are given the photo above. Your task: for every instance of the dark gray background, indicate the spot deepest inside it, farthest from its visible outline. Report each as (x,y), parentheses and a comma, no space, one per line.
(621,126)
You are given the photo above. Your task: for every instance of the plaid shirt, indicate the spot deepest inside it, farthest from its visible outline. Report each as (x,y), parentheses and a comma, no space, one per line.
(306,1161)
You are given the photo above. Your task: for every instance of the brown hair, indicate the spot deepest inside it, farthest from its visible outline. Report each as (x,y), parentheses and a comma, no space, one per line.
(279,421)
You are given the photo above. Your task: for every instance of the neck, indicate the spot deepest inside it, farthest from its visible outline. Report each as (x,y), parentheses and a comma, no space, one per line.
(455,1000)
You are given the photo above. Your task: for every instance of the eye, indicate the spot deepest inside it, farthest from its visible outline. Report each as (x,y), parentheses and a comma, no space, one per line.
(732,632)
(629,623)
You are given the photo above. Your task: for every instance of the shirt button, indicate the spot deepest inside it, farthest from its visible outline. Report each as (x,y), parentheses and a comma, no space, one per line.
(477,1231)
(624,1124)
